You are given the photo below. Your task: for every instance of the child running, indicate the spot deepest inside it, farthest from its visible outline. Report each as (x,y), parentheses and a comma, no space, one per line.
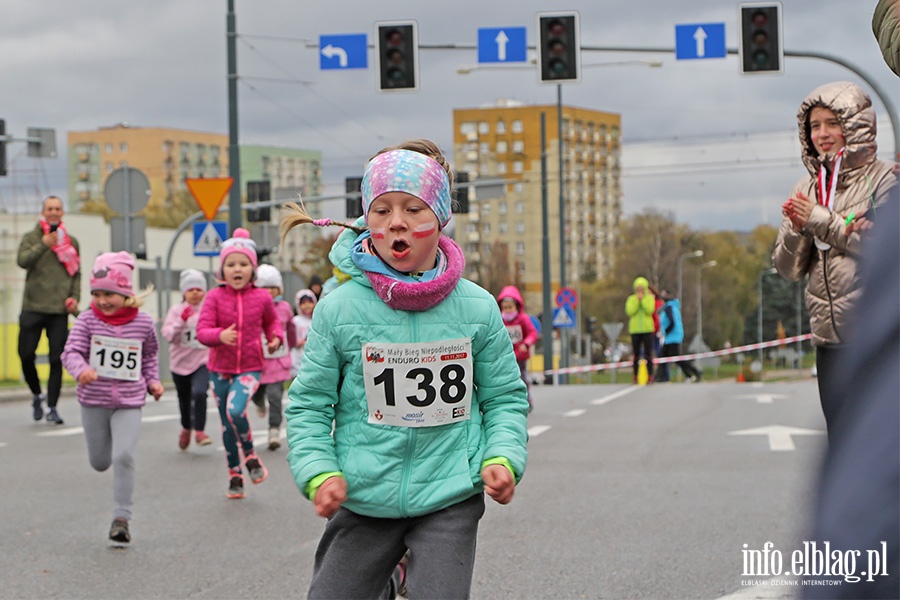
(305,301)
(521,330)
(232,322)
(277,365)
(411,366)
(112,353)
(188,357)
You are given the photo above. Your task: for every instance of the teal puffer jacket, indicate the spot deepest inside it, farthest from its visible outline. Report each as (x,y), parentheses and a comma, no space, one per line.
(394,472)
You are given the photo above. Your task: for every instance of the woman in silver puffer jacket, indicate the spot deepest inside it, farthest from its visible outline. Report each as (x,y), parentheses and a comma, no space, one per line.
(837,137)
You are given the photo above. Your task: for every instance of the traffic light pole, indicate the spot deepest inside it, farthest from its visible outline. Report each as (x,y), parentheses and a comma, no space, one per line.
(234,150)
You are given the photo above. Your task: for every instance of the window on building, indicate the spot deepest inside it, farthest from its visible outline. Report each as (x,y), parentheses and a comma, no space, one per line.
(501,168)
(484,147)
(467,127)
(501,126)
(520,207)
(109,167)
(517,126)
(485,229)
(518,166)
(471,227)
(486,248)
(518,187)
(520,248)
(518,146)
(485,208)
(123,147)
(503,227)
(471,248)
(109,148)
(484,127)
(501,207)
(501,147)
(520,227)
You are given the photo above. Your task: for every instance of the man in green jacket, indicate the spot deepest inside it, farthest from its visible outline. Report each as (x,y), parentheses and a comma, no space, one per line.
(640,307)
(51,261)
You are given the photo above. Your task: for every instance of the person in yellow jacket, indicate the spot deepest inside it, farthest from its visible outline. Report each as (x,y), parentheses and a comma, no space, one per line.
(640,307)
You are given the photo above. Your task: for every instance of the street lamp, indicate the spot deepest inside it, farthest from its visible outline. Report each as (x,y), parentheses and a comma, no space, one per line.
(759,316)
(681,258)
(711,263)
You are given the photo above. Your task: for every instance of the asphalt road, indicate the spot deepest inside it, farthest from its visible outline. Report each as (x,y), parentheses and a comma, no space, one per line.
(630,493)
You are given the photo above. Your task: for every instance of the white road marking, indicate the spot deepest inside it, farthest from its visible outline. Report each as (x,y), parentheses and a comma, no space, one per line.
(575,413)
(614,395)
(780,437)
(537,430)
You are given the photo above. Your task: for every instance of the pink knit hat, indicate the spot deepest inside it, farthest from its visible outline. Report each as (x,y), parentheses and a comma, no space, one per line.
(112,272)
(238,242)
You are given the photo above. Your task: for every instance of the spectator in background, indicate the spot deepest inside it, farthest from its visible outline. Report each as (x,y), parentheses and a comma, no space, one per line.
(315,284)
(640,308)
(52,266)
(837,139)
(673,331)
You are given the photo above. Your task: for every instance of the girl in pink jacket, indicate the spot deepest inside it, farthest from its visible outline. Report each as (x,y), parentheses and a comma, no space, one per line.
(188,358)
(521,330)
(277,365)
(112,353)
(232,322)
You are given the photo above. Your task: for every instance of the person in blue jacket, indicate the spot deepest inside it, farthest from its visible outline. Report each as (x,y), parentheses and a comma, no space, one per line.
(672,328)
(409,403)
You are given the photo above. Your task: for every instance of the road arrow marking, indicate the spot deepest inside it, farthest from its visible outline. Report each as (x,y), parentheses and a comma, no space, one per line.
(764,398)
(501,40)
(700,37)
(780,436)
(330,51)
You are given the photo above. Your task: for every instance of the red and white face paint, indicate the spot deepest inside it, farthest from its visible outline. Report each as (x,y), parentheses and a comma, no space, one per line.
(405,232)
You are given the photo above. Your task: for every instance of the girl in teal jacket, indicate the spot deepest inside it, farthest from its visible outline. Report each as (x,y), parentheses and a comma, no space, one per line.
(408,404)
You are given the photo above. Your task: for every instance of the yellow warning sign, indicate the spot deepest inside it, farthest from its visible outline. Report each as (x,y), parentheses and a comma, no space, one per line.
(209,193)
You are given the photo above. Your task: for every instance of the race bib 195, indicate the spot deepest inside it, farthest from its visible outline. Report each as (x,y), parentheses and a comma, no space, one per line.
(418,385)
(116,358)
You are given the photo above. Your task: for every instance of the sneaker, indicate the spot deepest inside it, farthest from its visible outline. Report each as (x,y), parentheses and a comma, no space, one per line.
(202,439)
(53,416)
(258,473)
(236,488)
(274,438)
(118,532)
(37,406)
(184,439)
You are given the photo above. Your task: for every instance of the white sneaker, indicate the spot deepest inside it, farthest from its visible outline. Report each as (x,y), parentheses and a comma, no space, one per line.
(274,438)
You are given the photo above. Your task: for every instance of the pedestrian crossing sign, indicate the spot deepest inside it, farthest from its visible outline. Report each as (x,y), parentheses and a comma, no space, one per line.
(208,237)
(563,318)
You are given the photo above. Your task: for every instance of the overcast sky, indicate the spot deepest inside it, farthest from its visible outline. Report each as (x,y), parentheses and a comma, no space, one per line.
(717,149)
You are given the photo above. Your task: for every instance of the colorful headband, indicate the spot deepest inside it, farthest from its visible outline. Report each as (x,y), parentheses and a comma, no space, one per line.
(410,172)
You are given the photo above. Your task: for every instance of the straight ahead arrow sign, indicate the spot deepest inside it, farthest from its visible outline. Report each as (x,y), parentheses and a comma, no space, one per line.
(700,38)
(780,436)
(501,40)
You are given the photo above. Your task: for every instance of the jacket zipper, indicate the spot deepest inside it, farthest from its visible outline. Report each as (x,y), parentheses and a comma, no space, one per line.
(240,328)
(410,437)
(828,293)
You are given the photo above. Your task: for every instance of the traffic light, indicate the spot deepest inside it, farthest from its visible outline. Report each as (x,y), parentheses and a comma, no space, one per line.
(353,185)
(761,50)
(461,193)
(559,54)
(2,148)
(259,191)
(398,56)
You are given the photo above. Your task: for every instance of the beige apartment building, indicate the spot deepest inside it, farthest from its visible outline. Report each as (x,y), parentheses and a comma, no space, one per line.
(504,141)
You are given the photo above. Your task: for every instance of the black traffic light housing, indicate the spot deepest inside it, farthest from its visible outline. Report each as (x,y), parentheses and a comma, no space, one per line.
(398,56)
(259,191)
(559,49)
(460,202)
(761,49)
(353,185)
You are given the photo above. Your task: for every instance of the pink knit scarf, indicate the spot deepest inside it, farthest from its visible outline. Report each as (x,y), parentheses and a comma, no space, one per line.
(400,295)
(63,248)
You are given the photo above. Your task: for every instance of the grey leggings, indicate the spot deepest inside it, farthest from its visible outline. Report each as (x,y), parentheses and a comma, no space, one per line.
(357,554)
(273,392)
(112,437)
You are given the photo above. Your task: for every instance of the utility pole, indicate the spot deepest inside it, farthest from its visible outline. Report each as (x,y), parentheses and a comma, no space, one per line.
(235,219)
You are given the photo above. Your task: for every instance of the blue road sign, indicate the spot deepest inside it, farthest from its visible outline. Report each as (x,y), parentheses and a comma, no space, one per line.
(564,317)
(349,51)
(700,40)
(208,237)
(502,45)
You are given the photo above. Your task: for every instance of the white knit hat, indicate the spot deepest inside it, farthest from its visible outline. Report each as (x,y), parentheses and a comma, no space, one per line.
(268,276)
(191,279)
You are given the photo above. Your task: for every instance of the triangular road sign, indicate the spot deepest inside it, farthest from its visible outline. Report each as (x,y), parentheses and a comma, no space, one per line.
(209,241)
(209,193)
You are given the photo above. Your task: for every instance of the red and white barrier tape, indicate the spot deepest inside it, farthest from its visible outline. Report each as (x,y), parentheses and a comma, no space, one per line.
(670,359)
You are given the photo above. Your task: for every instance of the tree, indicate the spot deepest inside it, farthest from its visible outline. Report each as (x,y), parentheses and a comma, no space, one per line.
(316,260)
(494,273)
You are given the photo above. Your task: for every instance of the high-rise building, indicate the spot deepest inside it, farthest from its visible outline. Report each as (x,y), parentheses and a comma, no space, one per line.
(504,141)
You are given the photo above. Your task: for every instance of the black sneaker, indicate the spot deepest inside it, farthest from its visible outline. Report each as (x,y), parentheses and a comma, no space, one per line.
(236,488)
(37,406)
(118,531)
(257,471)
(53,416)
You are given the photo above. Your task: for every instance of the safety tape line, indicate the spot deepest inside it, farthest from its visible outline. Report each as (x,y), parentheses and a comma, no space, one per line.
(670,359)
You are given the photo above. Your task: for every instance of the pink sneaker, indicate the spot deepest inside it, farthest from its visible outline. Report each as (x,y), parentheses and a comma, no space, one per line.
(202,439)
(184,439)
